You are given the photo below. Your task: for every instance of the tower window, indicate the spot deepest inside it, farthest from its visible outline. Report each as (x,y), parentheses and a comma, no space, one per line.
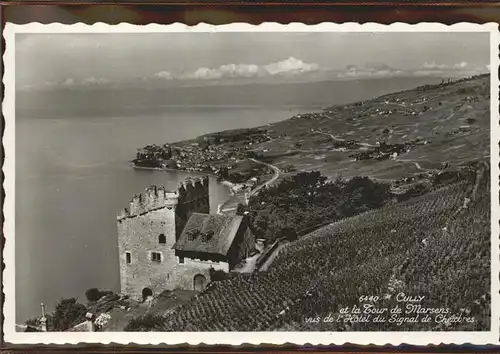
(156,256)
(162,239)
(128,256)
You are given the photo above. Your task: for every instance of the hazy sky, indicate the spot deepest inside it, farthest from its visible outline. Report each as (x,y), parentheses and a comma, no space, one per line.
(54,59)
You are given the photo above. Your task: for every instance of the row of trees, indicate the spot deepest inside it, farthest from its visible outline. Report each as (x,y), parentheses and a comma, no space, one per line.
(246,135)
(68,312)
(308,199)
(301,202)
(242,176)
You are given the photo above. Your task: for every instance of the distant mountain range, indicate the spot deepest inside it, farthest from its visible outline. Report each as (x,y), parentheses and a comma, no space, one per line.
(287,71)
(107,101)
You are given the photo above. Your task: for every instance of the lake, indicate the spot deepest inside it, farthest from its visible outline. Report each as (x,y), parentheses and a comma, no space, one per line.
(73,176)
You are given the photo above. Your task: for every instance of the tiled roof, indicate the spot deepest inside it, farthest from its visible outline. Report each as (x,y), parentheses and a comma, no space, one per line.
(209,233)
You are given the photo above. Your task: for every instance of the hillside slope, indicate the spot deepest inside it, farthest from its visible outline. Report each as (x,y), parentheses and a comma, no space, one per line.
(448,123)
(436,246)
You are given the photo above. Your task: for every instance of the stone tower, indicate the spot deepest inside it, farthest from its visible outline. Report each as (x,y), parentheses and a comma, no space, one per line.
(147,232)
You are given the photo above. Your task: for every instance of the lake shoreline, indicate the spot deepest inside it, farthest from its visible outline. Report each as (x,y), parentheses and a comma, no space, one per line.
(232,187)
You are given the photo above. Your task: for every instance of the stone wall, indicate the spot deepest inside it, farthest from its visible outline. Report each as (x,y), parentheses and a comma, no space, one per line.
(243,244)
(197,264)
(86,326)
(153,199)
(193,198)
(247,245)
(140,237)
(156,213)
(186,272)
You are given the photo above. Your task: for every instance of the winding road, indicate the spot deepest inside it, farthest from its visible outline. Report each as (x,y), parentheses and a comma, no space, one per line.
(416,163)
(263,267)
(229,206)
(339,139)
(276,171)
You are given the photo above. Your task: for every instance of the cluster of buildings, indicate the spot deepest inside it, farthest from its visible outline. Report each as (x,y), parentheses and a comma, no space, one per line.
(446,82)
(208,155)
(383,151)
(152,155)
(345,144)
(195,158)
(404,108)
(461,130)
(313,116)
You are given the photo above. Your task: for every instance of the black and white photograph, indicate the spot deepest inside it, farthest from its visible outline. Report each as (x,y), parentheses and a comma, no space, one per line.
(295,183)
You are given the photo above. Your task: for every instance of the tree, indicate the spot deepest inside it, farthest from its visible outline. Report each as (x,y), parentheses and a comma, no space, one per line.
(240,209)
(251,154)
(361,194)
(261,223)
(223,173)
(307,199)
(34,324)
(217,275)
(288,233)
(93,294)
(67,314)
(309,179)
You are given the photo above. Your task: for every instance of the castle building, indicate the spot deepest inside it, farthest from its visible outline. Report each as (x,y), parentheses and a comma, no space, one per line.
(168,240)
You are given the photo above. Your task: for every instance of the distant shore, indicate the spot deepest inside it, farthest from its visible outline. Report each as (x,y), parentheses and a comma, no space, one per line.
(232,187)
(138,167)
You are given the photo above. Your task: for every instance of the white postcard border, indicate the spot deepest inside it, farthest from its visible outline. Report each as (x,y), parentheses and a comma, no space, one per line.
(239,338)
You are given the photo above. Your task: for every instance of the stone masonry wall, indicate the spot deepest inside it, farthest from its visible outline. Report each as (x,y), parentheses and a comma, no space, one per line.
(140,236)
(86,326)
(139,228)
(247,245)
(193,198)
(185,273)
